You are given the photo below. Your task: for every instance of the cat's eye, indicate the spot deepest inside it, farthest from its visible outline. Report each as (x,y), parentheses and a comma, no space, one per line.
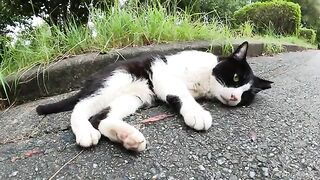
(235,78)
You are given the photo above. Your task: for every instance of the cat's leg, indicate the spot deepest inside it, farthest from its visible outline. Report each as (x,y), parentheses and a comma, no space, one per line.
(174,92)
(119,131)
(86,134)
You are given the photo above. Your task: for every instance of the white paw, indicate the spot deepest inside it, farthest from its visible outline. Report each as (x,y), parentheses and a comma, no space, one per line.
(133,141)
(197,118)
(87,136)
(119,131)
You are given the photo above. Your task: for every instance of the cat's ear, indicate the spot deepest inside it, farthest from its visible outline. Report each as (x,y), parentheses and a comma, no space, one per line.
(261,84)
(241,52)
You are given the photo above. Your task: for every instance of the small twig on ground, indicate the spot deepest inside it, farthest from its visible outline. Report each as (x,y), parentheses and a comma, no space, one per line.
(33,152)
(7,108)
(54,175)
(157,118)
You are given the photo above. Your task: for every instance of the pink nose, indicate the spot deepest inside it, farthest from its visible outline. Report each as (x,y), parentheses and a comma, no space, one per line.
(233,98)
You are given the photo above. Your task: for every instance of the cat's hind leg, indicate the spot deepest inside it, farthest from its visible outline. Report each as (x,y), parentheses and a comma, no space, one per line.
(114,86)
(119,131)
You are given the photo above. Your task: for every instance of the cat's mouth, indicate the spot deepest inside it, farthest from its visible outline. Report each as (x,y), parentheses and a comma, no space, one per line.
(229,102)
(224,100)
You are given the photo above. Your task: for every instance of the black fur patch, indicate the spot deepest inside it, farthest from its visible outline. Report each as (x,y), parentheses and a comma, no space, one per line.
(140,69)
(228,67)
(174,101)
(96,119)
(61,106)
(96,80)
(247,98)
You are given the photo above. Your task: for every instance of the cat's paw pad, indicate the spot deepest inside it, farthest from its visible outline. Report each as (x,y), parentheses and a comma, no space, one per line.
(133,141)
(87,137)
(198,119)
(119,131)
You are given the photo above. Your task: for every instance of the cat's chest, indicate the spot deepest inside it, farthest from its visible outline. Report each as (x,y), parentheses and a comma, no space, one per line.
(199,88)
(197,80)
(195,73)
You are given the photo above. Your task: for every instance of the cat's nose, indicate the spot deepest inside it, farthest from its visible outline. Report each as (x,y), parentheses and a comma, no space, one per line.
(233,98)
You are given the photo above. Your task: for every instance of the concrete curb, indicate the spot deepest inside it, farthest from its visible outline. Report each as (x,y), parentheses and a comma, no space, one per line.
(68,75)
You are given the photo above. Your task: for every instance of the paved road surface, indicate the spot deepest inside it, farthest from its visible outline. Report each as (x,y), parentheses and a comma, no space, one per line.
(277,137)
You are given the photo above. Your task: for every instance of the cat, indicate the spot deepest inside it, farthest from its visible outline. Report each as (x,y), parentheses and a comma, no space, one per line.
(178,79)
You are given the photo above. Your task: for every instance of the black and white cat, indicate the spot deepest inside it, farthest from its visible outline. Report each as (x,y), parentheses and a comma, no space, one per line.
(178,79)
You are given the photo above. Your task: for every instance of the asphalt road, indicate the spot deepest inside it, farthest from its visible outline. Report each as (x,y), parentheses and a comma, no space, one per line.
(277,137)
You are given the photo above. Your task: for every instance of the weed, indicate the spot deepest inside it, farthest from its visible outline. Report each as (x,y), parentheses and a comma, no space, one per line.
(3,92)
(246,30)
(227,49)
(272,48)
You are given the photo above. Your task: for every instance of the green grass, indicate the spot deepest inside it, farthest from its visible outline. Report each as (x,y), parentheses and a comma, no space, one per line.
(273,48)
(285,40)
(118,28)
(115,29)
(227,49)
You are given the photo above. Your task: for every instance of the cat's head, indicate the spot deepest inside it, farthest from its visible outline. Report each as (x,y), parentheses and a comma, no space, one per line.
(237,83)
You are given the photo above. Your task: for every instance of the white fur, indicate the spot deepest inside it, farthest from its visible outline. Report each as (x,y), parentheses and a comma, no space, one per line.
(187,75)
(192,68)
(224,94)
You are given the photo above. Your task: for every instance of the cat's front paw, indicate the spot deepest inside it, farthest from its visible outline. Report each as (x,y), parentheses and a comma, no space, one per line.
(87,136)
(198,118)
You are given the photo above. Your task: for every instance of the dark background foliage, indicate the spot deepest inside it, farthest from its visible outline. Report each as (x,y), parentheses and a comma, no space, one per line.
(58,11)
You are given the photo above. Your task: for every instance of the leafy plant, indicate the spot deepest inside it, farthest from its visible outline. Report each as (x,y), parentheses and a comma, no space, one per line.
(284,16)
(272,48)
(308,34)
(227,49)
(246,29)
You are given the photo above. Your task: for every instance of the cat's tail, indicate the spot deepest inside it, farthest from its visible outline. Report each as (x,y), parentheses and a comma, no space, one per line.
(61,106)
